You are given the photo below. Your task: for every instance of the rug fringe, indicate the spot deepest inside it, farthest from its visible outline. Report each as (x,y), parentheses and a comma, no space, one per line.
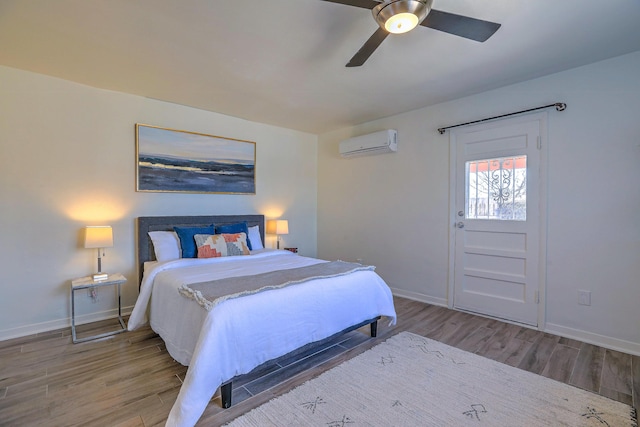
(634,417)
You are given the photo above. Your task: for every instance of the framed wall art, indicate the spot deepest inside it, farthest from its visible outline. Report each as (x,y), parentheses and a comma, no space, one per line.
(169,160)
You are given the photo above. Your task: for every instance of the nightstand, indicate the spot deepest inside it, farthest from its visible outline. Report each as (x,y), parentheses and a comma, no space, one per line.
(88,283)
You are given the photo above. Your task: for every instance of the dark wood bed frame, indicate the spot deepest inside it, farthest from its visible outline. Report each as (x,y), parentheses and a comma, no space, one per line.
(166,223)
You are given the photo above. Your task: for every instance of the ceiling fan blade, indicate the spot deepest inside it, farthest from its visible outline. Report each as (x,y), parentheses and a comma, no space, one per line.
(365,4)
(458,25)
(368,48)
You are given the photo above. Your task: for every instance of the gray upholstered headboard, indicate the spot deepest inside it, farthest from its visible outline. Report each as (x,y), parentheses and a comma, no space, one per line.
(166,223)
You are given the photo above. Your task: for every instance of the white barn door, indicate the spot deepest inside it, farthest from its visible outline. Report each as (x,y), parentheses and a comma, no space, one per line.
(496,220)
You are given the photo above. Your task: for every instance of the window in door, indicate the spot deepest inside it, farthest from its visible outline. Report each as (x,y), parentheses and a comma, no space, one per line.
(496,189)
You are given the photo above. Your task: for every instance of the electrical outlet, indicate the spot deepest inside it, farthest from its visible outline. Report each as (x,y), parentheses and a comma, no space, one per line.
(584,297)
(93,294)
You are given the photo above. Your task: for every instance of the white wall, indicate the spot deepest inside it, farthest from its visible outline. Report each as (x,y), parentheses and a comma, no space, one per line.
(67,159)
(393,210)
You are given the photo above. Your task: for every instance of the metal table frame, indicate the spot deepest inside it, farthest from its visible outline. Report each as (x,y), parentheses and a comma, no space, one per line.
(88,283)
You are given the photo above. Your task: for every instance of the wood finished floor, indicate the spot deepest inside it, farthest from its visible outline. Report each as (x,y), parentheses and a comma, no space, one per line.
(130,380)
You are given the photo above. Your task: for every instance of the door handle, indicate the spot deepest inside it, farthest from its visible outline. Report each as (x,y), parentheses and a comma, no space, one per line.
(460,224)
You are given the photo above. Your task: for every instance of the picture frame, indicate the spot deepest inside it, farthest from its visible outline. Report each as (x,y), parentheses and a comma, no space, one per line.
(170,160)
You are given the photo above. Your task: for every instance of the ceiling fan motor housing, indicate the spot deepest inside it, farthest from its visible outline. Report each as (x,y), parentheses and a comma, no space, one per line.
(388,9)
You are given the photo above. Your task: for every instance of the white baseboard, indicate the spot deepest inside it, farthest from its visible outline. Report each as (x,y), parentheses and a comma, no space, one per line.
(419,297)
(38,328)
(595,339)
(563,331)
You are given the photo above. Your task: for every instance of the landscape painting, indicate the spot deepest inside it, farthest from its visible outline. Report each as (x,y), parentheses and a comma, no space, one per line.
(179,161)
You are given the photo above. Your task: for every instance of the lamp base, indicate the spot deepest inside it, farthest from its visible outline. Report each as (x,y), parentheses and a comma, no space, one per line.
(100,276)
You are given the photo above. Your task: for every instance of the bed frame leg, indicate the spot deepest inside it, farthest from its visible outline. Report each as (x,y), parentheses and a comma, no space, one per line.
(225,394)
(374,328)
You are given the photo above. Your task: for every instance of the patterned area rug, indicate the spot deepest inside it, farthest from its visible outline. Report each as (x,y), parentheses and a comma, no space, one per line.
(410,380)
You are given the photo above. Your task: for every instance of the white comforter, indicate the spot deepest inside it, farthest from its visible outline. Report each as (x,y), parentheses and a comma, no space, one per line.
(240,334)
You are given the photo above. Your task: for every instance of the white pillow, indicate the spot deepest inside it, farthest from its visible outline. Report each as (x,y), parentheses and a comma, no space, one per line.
(254,237)
(166,245)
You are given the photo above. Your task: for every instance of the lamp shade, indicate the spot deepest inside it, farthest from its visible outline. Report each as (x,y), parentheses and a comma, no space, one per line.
(277,226)
(100,236)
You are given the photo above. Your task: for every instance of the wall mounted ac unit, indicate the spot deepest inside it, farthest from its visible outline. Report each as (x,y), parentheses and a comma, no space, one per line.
(385,141)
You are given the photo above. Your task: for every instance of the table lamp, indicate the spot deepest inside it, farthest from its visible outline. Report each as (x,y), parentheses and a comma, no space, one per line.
(99,237)
(277,227)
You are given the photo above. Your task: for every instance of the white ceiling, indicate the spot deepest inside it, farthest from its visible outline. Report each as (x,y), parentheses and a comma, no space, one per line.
(281,62)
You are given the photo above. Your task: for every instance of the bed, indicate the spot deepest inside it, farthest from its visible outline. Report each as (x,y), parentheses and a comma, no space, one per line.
(234,336)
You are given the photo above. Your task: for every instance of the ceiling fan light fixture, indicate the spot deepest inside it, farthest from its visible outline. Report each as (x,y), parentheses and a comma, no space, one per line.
(401,16)
(401,23)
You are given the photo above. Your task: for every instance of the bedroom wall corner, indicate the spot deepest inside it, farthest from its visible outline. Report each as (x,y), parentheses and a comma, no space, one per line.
(67,159)
(392,210)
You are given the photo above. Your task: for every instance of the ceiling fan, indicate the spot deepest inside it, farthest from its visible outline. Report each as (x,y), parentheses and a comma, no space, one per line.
(401,16)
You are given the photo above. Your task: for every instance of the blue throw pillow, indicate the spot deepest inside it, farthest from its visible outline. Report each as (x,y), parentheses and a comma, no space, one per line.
(187,241)
(240,227)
